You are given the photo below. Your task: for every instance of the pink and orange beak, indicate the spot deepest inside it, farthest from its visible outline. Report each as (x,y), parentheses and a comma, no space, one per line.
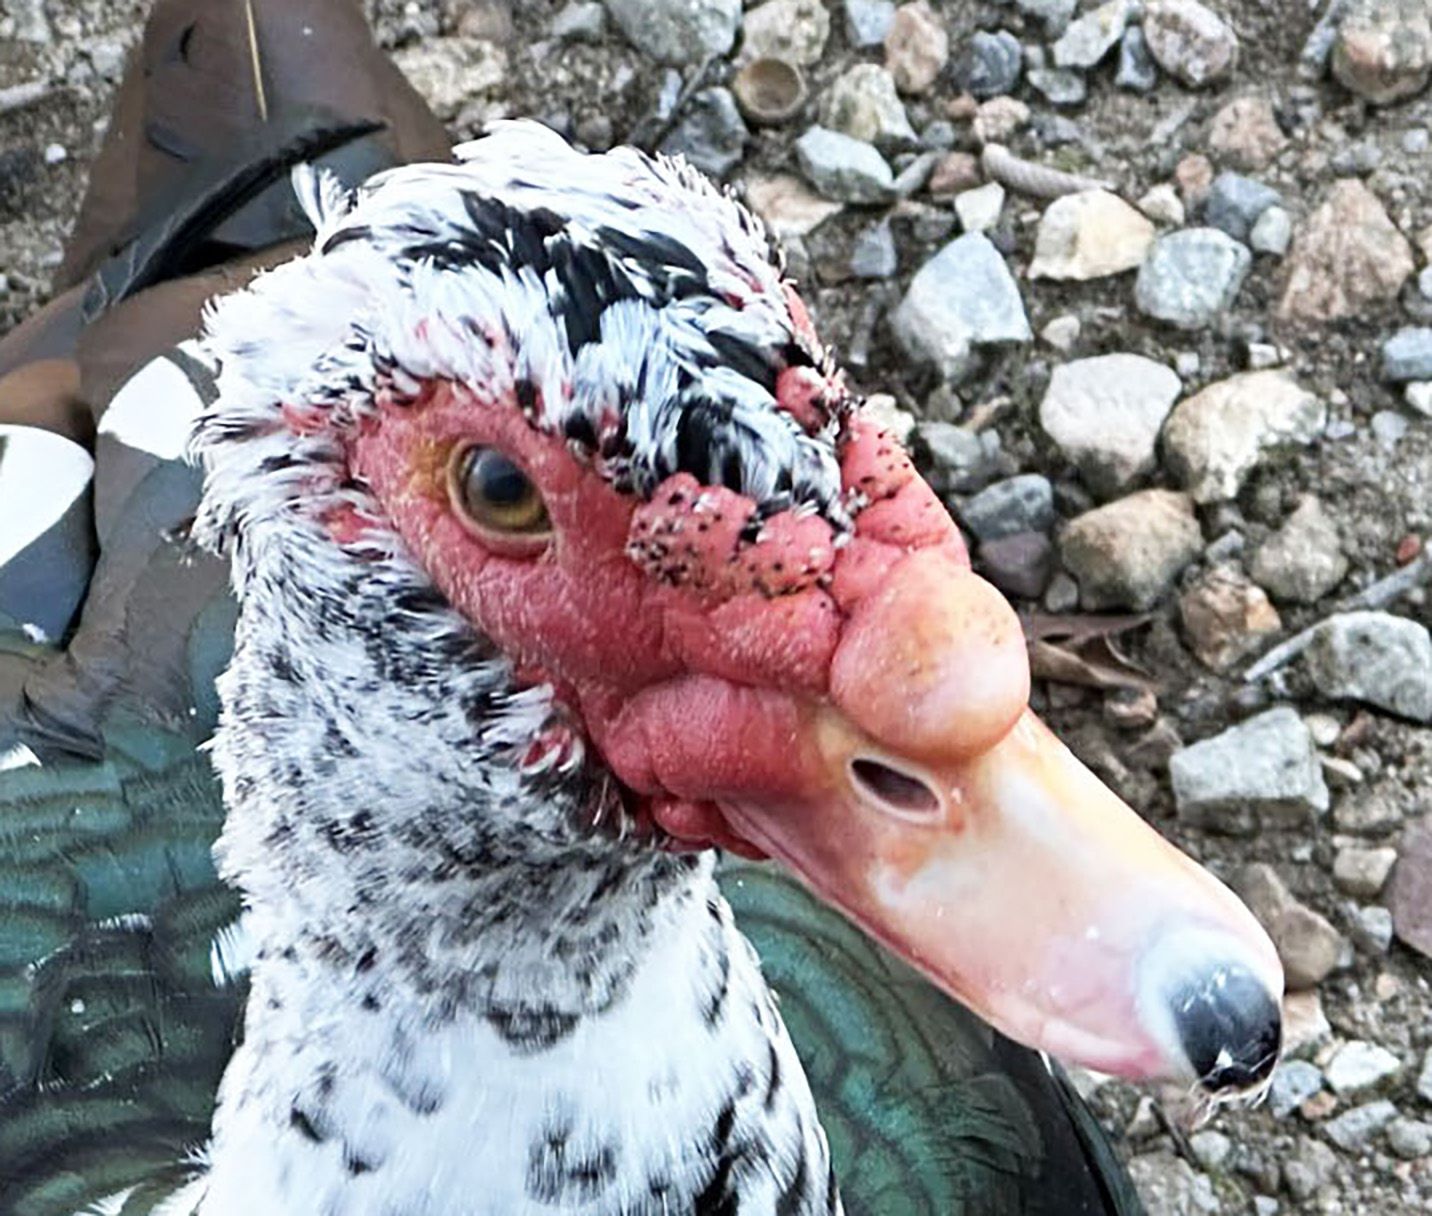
(925,800)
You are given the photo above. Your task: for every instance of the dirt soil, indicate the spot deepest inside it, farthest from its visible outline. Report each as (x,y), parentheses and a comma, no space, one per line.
(1378,492)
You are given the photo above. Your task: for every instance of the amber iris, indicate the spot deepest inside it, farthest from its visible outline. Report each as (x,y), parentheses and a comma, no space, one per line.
(493,495)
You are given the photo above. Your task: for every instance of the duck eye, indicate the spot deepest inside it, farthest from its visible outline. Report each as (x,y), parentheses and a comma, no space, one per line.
(492,495)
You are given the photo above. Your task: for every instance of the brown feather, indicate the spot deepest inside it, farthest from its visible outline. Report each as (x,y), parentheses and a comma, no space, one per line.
(204,79)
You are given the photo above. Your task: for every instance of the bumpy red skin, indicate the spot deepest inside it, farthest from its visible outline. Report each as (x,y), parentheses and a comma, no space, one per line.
(690,658)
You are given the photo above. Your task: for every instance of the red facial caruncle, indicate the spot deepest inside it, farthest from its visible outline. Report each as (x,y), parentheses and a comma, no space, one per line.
(833,686)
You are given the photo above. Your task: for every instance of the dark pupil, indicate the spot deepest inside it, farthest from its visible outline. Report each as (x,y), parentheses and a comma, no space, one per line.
(500,481)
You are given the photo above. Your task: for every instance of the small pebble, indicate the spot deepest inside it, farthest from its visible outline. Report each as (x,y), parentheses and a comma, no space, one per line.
(1162,204)
(1272,232)
(1235,203)
(990,64)
(873,255)
(1191,277)
(979,209)
(1137,70)
(1062,332)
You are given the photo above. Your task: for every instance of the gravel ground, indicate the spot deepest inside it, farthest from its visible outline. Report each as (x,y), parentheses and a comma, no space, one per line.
(1210,516)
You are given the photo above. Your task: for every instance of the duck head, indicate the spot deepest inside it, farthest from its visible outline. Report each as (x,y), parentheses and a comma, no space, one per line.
(565,428)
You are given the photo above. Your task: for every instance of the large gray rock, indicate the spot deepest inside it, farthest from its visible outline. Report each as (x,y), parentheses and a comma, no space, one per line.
(863,104)
(1191,277)
(678,31)
(1407,355)
(1127,554)
(1092,36)
(1355,1128)
(1303,560)
(710,133)
(843,168)
(1266,765)
(962,298)
(1017,504)
(1105,414)
(1374,657)
(1214,439)
(1360,1067)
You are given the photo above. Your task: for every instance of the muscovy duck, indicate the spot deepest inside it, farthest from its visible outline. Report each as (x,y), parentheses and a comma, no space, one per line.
(561,554)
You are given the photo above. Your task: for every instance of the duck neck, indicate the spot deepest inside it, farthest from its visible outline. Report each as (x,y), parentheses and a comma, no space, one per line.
(670,1086)
(463,999)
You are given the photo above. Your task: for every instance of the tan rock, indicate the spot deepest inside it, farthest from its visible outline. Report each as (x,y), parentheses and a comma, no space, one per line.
(1127,554)
(1306,942)
(1089,236)
(1410,894)
(999,118)
(954,173)
(1245,134)
(1214,439)
(789,207)
(793,30)
(1191,42)
(1305,1025)
(1226,617)
(1346,256)
(916,48)
(1193,176)
(1383,50)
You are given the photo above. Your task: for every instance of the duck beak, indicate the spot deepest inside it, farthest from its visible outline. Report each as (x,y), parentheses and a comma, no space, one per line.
(929,804)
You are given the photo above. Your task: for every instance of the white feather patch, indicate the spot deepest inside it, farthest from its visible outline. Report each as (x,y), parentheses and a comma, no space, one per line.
(41,476)
(154,411)
(18,756)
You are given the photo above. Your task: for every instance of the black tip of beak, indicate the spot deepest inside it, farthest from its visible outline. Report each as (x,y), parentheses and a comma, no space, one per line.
(1231,1028)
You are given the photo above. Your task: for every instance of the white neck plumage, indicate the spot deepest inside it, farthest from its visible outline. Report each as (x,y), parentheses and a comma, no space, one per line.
(461,1003)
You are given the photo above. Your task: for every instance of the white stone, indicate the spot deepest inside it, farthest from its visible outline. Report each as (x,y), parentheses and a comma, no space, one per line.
(1105,414)
(979,209)
(1062,332)
(1375,657)
(1088,236)
(1214,439)
(1091,37)
(1163,205)
(1359,1067)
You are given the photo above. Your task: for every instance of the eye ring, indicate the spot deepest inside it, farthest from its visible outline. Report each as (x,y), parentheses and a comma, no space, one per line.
(494,499)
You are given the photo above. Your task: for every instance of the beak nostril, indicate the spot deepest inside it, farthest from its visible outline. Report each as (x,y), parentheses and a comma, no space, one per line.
(898,793)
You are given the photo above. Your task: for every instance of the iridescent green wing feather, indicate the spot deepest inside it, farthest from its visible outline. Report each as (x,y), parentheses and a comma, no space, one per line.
(929,1112)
